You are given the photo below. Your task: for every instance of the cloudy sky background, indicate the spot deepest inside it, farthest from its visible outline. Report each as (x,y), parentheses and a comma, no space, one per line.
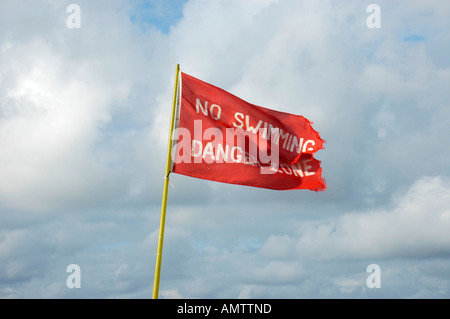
(84,117)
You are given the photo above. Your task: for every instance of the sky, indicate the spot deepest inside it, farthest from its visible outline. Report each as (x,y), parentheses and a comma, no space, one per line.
(84,123)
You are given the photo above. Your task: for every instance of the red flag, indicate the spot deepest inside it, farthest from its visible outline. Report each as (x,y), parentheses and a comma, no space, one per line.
(220,137)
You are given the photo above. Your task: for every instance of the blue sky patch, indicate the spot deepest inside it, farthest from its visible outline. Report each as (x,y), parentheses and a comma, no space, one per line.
(414,38)
(160,14)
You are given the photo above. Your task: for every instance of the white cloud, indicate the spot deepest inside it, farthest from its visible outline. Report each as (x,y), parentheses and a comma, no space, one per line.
(415,226)
(83,129)
(49,127)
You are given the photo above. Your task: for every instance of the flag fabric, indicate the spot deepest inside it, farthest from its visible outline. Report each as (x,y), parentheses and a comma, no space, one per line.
(220,137)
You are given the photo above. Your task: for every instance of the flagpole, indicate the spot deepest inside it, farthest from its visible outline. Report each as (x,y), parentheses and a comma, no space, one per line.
(165,191)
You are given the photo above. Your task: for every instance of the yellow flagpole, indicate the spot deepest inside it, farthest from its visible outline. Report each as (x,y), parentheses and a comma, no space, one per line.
(165,191)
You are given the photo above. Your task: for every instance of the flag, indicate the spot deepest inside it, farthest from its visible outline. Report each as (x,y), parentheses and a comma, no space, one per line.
(220,137)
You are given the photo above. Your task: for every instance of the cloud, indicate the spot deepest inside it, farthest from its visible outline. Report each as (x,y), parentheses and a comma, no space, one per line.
(84,124)
(47,137)
(414,226)
(69,110)
(328,258)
